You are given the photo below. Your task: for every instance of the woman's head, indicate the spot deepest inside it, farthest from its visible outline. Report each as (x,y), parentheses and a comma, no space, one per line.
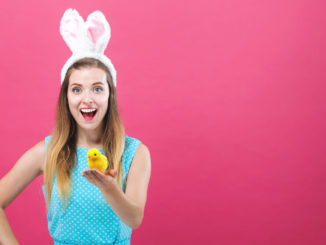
(79,91)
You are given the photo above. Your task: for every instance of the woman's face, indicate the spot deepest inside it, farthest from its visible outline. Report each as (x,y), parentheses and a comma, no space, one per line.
(88,90)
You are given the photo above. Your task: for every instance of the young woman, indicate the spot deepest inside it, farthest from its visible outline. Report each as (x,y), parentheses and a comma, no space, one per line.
(84,206)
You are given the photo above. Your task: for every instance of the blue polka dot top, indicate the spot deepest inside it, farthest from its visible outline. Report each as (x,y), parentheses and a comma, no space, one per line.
(88,218)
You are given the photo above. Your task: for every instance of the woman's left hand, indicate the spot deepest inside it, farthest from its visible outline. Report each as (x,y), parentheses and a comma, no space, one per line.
(101,180)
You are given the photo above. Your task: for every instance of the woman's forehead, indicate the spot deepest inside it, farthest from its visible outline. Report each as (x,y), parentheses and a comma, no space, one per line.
(87,77)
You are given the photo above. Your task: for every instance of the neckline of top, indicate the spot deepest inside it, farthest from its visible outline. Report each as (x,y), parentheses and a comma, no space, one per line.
(86,148)
(91,148)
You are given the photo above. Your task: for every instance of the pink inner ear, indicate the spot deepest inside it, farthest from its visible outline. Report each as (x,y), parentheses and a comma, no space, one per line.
(70,26)
(95,31)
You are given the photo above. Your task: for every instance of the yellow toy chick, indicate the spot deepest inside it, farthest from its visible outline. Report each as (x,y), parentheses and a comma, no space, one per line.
(96,160)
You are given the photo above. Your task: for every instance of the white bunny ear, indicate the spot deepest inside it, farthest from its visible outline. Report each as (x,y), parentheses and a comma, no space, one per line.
(72,29)
(98,31)
(86,39)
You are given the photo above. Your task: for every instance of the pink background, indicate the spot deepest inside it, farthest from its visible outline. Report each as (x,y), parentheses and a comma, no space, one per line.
(229,96)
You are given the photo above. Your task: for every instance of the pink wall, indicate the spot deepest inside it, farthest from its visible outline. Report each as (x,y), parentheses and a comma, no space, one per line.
(229,96)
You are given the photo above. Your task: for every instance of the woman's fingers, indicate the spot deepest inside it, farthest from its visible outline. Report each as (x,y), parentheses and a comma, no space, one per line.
(111,172)
(96,177)
(93,177)
(88,171)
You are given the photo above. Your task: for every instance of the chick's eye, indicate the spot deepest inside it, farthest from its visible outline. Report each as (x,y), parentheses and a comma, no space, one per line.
(95,154)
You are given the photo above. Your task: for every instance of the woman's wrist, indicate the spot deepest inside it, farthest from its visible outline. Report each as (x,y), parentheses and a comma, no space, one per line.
(109,188)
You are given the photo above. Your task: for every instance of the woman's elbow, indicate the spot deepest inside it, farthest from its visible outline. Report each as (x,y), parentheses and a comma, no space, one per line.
(138,220)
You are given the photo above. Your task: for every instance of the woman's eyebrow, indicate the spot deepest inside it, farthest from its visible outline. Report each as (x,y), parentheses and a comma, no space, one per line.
(82,85)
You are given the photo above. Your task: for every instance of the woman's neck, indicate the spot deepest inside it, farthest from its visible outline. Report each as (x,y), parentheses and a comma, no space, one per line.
(89,139)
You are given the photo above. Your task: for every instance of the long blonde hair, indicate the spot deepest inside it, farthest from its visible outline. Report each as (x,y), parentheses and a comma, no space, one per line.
(61,150)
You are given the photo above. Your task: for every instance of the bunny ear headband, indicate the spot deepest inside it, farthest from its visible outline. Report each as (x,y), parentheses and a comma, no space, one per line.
(86,39)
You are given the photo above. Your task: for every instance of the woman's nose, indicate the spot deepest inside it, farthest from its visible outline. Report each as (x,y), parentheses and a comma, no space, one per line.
(88,96)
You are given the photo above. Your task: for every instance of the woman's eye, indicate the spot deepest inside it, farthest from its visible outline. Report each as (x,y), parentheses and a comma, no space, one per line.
(74,89)
(98,89)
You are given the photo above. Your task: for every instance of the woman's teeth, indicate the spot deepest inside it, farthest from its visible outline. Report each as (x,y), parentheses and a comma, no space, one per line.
(88,114)
(88,110)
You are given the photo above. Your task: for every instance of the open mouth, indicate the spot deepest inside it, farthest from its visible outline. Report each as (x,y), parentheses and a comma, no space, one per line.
(88,115)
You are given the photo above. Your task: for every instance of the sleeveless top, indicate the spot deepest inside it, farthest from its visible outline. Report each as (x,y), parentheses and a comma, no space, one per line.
(88,218)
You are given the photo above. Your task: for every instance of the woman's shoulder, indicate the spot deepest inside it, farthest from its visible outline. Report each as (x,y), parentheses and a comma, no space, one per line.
(131,142)
(47,138)
(135,145)
(128,137)
(37,152)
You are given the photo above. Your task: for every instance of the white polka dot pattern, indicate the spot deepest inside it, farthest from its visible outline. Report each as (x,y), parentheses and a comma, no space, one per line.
(88,218)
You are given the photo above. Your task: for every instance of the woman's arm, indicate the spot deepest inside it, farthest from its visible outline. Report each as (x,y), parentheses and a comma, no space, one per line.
(6,234)
(27,168)
(129,206)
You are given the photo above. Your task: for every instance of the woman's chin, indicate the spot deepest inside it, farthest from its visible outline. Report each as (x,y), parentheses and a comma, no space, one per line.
(88,125)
